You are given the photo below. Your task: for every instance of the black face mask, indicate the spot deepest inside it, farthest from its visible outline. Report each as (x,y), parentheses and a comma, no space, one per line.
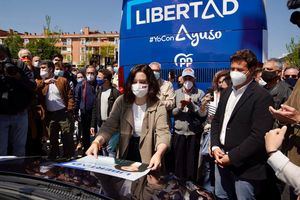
(269,76)
(291,81)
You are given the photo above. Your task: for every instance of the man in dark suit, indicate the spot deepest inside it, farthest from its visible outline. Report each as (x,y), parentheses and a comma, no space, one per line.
(238,128)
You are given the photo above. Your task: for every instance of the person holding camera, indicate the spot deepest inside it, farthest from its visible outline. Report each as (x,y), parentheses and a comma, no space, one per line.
(17,88)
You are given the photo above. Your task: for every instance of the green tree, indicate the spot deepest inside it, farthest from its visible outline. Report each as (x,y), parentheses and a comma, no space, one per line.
(107,51)
(45,47)
(293,57)
(14,42)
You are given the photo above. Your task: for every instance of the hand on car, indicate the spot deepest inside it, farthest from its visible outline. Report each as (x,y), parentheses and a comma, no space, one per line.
(155,162)
(95,147)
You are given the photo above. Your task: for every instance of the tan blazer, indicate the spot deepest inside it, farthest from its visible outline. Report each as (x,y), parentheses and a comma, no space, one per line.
(292,138)
(155,129)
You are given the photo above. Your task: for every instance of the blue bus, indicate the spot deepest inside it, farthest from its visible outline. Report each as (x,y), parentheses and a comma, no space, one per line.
(201,34)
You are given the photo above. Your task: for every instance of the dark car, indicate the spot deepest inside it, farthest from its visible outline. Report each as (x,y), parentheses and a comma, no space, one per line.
(38,178)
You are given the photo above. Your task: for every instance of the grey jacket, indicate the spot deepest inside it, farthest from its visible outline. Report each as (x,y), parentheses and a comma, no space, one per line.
(188,121)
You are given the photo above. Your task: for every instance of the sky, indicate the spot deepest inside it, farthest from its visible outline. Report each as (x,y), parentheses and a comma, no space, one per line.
(105,15)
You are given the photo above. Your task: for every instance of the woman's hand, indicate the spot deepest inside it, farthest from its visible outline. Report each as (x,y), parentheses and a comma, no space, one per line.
(155,162)
(95,146)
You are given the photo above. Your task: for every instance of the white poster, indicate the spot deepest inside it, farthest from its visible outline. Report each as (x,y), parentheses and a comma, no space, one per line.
(110,166)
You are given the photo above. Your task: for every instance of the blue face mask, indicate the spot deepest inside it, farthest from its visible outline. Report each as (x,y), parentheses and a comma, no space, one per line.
(291,81)
(58,73)
(100,81)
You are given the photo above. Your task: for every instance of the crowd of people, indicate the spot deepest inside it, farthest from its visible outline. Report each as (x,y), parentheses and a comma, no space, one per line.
(223,138)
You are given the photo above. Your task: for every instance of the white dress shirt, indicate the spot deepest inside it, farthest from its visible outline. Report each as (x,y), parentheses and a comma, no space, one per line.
(231,103)
(54,101)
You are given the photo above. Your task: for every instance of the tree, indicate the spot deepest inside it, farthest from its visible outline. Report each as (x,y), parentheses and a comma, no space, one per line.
(293,57)
(14,42)
(45,47)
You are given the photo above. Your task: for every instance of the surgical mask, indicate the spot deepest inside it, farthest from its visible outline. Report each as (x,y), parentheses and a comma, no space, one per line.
(44,74)
(79,80)
(36,64)
(139,90)
(58,73)
(116,69)
(100,81)
(157,75)
(268,76)
(90,77)
(261,82)
(237,78)
(291,81)
(188,85)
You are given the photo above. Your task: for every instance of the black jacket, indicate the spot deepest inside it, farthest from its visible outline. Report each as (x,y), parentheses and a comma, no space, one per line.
(16,94)
(96,113)
(244,140)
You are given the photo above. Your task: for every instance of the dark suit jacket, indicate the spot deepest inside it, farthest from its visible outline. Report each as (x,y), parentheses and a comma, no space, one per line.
(244,140)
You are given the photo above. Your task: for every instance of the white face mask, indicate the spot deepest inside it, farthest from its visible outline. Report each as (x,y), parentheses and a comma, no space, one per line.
(139,90)
(90,77)
(261,82)
(157,75)
(44,74)
(36,64)
(188,85)
(79,80)
(237,78)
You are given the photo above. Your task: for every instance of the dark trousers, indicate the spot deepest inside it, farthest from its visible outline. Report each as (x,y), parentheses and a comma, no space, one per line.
(86,118)
(186,155)
(59,121)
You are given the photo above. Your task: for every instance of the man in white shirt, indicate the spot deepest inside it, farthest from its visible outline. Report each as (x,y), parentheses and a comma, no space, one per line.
(237,134)
(57,99)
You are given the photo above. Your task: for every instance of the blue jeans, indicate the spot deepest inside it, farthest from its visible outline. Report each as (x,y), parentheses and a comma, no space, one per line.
(228,186)
(13,132)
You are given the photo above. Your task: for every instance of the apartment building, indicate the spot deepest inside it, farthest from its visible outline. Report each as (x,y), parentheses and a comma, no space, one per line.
(77,48)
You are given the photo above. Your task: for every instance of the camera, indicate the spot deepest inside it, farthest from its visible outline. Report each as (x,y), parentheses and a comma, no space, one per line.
(7,68)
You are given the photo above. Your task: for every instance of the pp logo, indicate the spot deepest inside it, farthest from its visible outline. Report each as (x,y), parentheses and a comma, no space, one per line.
(183,60)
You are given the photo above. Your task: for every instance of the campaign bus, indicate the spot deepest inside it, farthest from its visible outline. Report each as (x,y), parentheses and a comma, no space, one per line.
(199,34)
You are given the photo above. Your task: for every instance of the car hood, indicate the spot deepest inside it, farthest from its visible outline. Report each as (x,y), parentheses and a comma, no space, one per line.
(151,186)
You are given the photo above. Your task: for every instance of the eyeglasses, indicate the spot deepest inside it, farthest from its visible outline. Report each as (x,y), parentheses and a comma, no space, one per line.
(291,76)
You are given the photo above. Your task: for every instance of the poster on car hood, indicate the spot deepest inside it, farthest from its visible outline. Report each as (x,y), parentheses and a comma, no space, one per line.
(124,169)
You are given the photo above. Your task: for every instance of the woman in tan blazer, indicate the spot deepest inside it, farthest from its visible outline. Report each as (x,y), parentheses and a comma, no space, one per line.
(141,120)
